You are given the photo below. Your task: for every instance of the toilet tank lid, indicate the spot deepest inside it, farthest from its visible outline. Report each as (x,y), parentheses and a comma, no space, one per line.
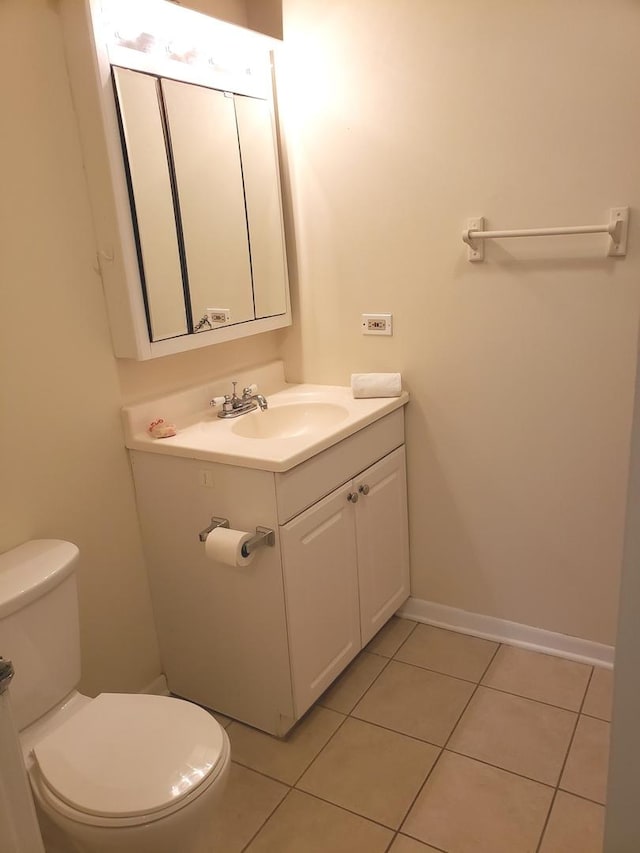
(31,569)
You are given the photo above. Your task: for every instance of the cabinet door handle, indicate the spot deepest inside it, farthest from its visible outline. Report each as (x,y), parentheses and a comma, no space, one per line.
(364,489)
(352,497)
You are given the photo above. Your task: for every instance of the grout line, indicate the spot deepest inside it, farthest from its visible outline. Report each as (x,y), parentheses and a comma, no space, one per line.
(473,694)
(419,740)
(346,809)
(455,726)
(346,716)
(429,844)
(264,823)
(396,732)
(321,750)
(437,671)
(364,693)
(531,699)
(491,687)
(594,717)
(442,749)
(390,844)
(499,767)
(261,773)
(415,625)
(564,764)
(293,784)
(582,797)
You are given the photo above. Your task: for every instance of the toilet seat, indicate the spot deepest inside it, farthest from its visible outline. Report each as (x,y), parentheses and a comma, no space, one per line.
(124,759)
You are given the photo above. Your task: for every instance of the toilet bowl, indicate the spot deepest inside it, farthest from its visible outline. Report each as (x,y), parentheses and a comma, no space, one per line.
(132,773)
(128,773)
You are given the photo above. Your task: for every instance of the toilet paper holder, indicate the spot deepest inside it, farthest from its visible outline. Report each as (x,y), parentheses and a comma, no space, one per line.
(263,535)
(215,522)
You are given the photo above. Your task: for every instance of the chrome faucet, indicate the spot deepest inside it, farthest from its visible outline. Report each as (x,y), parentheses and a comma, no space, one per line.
(234,406)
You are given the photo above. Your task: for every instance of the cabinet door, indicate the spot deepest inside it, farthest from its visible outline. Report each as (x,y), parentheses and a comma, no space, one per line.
(321,594)
(209,183)
(264,207)
(383,541)
(152,207)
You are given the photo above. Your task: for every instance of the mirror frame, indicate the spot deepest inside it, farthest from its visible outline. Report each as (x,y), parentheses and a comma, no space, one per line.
(90,72)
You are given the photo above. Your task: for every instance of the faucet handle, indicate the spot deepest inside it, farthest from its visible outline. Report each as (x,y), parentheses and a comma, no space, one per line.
(216,401)
(250,390)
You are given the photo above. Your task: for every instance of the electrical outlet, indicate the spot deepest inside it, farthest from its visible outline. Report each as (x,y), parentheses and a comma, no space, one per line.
(219,316)
(377,324)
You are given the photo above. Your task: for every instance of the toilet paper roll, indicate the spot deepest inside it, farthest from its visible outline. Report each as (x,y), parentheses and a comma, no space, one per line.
(225,546)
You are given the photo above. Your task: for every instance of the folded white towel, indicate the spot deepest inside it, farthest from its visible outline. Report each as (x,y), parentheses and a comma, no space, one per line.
(376,384)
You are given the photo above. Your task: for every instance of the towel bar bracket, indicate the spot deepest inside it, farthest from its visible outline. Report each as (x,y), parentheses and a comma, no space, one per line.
(620,221)
(475,250)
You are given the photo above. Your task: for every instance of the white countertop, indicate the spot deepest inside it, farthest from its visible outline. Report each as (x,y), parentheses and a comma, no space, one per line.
(202,435)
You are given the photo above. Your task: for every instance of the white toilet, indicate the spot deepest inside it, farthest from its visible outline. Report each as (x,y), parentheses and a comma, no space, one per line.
(126,773)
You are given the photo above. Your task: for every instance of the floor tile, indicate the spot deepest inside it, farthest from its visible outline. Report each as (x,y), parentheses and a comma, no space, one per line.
(304,824)
(599,699)
(575,826)
(470,807)
(345,692)
(537,676)
(404,844)
(371,771)
(586,770)
(516,734)
(389,639)
(447,652)
(287,758)
(415,702)
(247,802)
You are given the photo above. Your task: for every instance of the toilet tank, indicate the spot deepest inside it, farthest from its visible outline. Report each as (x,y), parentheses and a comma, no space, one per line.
(39,630)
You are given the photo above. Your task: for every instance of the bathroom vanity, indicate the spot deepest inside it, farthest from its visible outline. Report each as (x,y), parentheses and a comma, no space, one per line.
(326,473)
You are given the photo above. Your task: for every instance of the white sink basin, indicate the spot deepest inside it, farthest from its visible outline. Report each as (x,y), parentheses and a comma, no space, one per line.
(301,421)
(290,421)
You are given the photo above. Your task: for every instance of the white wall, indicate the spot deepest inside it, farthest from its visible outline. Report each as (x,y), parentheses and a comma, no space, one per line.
(65,473)
(233,11)
(404,119)
(265,16)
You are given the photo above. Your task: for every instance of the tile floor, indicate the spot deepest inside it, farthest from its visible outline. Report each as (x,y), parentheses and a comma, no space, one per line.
(430,741)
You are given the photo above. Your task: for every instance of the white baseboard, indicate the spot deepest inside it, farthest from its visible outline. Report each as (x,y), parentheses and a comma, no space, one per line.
(158,686)
(512,633)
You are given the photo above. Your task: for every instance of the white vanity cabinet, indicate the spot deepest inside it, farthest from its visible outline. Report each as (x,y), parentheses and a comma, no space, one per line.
(261,643)
(345,566)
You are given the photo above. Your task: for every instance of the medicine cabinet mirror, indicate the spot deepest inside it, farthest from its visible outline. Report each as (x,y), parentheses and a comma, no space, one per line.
(194,252)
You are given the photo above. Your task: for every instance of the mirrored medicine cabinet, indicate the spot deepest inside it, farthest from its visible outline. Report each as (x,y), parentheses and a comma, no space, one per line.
(191,237)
